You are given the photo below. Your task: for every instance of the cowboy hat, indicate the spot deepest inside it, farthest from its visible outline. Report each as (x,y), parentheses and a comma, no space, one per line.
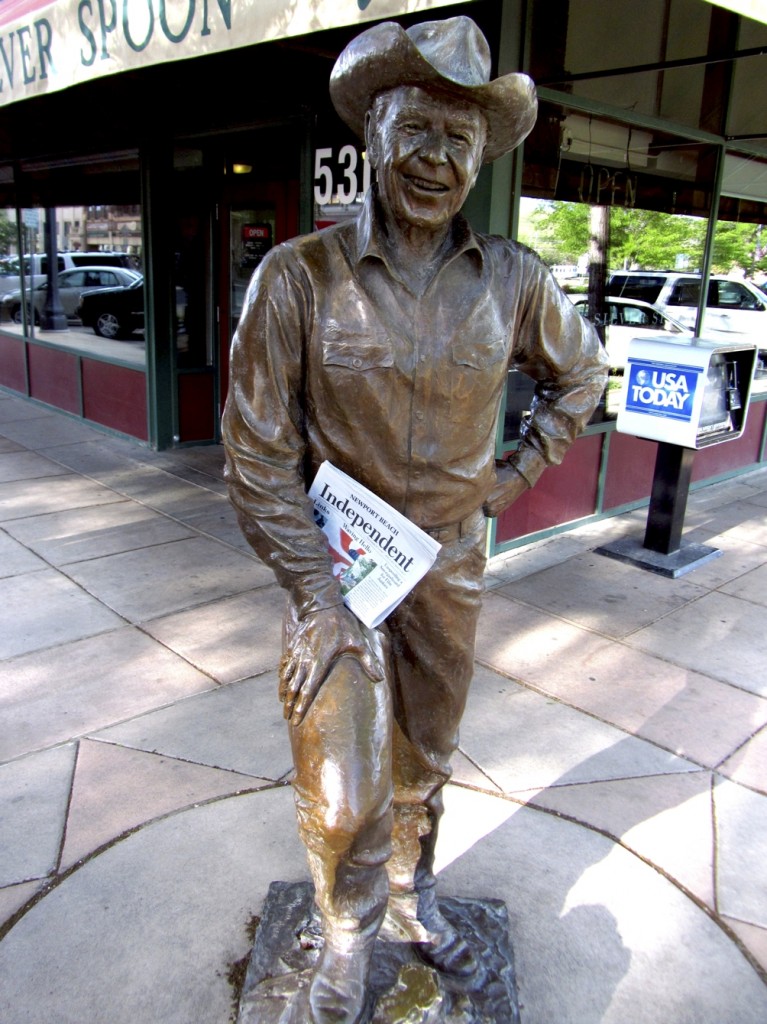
(451,56)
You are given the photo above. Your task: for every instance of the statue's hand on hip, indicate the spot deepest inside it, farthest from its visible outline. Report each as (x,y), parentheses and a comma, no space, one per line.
(510,484)
(314,648)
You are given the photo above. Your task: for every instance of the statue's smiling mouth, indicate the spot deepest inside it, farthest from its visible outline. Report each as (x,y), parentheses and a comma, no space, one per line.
(426,184)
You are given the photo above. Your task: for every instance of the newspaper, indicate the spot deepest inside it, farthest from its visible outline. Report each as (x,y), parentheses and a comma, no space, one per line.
(378,555)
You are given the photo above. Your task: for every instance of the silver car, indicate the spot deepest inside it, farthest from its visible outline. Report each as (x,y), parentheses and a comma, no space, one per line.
(72,283)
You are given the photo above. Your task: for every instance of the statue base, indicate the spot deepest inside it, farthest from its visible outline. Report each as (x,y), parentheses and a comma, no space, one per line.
(403,990)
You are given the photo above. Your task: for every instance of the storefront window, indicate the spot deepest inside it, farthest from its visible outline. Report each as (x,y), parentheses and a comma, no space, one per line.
(624,270)
(644,58)
(8,242)
(651,283)
(620,213)
(618,207)
(191,195)
(736,304)
(97,303)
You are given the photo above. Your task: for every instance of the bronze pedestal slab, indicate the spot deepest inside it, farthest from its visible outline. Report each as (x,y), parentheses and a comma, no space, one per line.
(402,990)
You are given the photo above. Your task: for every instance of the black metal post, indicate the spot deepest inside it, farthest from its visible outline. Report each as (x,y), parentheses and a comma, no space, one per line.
(662,550)
(53,318)
(668,501)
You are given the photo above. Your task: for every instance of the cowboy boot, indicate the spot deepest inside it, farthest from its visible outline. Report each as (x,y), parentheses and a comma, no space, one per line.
(351,900)
(338,991)
(412,912)
(447,951)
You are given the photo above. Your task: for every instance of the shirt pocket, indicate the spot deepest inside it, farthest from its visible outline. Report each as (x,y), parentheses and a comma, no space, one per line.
(356,352)
(479,355)
(477,370)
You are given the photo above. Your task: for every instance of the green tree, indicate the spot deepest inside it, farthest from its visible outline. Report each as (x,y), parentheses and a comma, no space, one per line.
(649,239)
(646,239)
(7,233)
(559,232)
(739,247)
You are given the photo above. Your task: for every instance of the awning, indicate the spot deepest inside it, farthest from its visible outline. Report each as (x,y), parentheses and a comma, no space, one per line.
(45,47)
(754,9)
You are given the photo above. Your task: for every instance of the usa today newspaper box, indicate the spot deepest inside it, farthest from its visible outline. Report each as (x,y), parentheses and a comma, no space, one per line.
(686,394)
(693,392)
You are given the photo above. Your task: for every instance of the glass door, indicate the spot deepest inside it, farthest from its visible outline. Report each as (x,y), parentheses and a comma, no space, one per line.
(257,208)
(252,230)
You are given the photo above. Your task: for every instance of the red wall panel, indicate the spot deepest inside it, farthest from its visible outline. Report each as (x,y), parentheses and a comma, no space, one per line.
(630,467)
(562,494)
(729,455)
(12,372)
(631,461)
(54,377)
(115,396)
(196,419)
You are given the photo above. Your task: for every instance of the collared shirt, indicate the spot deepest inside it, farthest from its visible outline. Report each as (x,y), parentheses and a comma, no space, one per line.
(336,358)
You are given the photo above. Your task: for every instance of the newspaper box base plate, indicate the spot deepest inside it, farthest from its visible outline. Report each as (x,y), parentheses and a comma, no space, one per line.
(403,990)
(676,564)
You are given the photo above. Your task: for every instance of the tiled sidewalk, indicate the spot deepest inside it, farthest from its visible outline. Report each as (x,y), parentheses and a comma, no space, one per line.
(611,785)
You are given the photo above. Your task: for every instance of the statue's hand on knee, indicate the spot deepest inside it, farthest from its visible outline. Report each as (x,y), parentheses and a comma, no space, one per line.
(313,649)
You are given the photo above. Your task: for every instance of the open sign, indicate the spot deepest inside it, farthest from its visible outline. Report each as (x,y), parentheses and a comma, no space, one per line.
(256,243)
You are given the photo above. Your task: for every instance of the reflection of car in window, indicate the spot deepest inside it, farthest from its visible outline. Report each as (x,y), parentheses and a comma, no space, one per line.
(35,266)
(732,306)
(624,319)
(114,312)
(735,295)
(71,284)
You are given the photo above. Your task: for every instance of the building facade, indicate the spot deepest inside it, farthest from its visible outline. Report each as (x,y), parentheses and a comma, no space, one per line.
(195,134)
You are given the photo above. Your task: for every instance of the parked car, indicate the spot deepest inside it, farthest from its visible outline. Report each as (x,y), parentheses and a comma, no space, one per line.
(72,283)
(114,312)
(35,266)
(733,307)
(105,259)
(625,319)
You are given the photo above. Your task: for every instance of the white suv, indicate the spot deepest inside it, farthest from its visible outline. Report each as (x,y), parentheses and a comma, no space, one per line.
(734,307)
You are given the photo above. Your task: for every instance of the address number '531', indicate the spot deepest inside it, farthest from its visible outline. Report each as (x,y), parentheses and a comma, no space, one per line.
(346,162)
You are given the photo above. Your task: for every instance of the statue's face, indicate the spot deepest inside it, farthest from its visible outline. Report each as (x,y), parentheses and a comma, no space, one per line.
(427,150)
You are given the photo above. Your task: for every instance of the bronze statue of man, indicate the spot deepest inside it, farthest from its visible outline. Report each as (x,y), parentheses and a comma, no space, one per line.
(382,345)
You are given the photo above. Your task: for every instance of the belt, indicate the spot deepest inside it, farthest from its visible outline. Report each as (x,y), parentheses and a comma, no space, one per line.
(455,531)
